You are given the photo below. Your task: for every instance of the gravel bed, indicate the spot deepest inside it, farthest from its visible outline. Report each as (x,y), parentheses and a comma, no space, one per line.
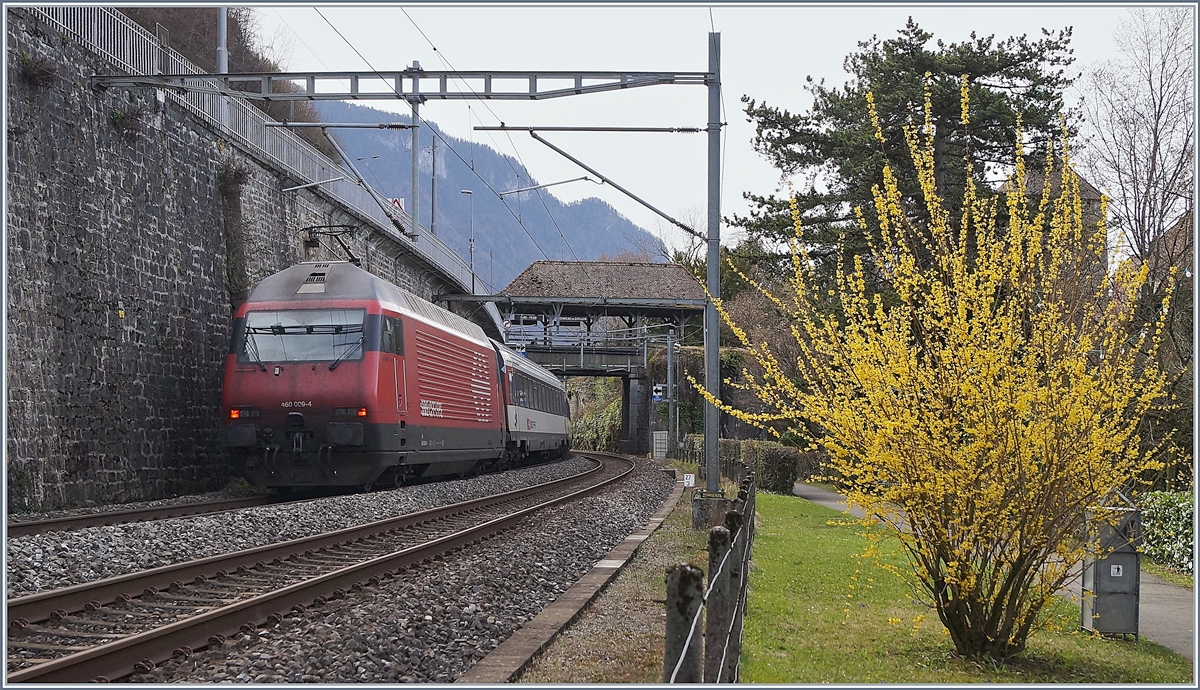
(52,560)
(232,491)
(433,622)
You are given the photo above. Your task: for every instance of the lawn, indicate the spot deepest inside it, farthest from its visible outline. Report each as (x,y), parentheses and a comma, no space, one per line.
(819,614)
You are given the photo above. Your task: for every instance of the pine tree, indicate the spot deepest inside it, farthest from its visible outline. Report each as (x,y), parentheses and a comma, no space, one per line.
(831,147)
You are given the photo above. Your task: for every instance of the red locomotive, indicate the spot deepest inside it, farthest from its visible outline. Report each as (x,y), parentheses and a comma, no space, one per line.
(338,378)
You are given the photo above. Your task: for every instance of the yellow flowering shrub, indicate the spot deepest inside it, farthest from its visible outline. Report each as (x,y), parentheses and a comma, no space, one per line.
(989,403)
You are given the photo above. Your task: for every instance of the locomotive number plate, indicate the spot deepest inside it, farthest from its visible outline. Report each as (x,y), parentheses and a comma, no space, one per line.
(296,403)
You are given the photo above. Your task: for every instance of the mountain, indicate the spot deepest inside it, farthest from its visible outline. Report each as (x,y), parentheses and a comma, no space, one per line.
(591,227)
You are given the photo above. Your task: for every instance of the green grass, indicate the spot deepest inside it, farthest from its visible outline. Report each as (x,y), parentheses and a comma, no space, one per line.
(1173,576)
(797,629)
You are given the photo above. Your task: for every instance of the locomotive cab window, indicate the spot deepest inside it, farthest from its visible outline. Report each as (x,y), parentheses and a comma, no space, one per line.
(391,336)
(302,335)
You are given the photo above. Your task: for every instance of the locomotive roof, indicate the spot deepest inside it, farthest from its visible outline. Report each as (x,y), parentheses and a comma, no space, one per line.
(342,280)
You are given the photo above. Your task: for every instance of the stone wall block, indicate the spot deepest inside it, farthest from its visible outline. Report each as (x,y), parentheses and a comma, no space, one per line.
(126,260)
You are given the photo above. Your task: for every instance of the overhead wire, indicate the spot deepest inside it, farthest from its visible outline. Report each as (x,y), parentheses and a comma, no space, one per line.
(434,131)
(297,37)
(448,64)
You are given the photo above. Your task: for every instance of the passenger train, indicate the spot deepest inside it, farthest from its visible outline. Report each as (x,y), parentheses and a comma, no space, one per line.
(335,377)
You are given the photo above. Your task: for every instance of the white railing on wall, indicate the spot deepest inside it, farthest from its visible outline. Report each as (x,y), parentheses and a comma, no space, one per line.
(131,48)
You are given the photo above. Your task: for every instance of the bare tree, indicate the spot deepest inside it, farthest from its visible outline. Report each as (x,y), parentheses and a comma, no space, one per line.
(1140,114)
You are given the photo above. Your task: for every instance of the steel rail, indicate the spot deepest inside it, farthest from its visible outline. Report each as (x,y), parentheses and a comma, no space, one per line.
(39,607)
(117,659)
(116,517)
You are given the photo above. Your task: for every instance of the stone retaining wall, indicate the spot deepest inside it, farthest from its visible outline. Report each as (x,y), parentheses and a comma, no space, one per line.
(132,231)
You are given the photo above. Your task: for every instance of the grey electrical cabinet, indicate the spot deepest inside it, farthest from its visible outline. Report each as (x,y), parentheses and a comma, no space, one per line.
(1111,583)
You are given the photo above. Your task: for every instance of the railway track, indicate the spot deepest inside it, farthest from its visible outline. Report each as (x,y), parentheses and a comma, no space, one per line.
(116,517)
(107,629)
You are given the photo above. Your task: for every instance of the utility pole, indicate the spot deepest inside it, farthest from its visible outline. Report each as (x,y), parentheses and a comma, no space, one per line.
(415,101)
(222,40)
(223,59)
(712,324)
(433,191)
(671,388)
(471,236)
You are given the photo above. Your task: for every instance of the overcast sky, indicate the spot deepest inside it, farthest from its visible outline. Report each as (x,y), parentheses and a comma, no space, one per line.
(766,49)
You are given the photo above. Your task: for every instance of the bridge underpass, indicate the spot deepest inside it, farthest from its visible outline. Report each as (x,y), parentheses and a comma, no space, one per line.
(601,319)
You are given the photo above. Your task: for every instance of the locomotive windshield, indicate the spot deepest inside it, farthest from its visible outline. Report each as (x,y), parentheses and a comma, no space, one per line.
(303,335)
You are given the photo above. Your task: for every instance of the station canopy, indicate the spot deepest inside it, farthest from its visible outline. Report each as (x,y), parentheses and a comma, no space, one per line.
(589,290)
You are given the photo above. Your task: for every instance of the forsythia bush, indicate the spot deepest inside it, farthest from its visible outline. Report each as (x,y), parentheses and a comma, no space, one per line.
(1167,529)
(988,402)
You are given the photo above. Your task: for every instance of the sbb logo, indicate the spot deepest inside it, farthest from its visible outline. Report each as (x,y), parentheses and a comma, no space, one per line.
(430,408)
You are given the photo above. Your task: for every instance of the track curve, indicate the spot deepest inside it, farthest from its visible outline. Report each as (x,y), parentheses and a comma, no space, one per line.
(249,587)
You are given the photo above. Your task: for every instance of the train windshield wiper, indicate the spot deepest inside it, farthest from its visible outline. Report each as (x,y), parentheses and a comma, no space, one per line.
(317,329)
(357,344)
(251,349)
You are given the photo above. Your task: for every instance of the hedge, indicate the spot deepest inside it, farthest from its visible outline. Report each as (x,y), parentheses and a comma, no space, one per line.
(776,466)
(1167,529)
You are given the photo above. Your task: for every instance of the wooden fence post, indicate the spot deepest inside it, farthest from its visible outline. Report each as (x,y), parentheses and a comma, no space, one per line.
(750,494)
(721,598)
(735,522)
(685,592)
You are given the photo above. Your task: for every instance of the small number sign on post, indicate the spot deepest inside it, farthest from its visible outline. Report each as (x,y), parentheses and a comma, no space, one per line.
(689,480)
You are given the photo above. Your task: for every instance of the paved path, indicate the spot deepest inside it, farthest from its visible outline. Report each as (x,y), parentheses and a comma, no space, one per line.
(1166,612)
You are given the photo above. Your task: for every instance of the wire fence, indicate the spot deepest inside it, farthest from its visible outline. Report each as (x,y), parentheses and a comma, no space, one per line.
(714,656)
(131,48)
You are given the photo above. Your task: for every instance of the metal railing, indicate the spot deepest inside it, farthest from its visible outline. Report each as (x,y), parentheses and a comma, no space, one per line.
(131,48)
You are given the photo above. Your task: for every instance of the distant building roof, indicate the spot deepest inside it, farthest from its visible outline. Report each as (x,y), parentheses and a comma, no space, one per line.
(1035,181)
(612,280)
